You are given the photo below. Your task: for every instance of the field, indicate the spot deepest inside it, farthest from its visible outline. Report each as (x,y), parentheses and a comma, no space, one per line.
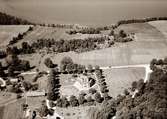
(7,32)
(6,97)
(120,79)
(14,108)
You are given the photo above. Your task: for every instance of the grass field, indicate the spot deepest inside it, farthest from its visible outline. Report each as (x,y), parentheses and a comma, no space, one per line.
(6,97)
(7,32)
(120,79)
(14,110)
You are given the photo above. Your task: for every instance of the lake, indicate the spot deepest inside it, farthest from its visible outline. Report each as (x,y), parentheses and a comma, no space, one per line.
(84,12)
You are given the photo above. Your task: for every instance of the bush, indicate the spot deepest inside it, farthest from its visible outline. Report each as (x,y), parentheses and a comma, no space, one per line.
(98,97)
(81,99)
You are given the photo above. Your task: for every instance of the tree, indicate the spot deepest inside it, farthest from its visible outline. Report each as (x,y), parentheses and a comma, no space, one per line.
(89,99)
(11,70)
(165,60)
(98,97)
(81,99)
(43,111)
(134,85)
(64,62)
(90,68)
(122,34)
(2,73)
(62,102)
(48,62)
(73,101)
(126,92)
(111,33)
(13,60)
(27,85)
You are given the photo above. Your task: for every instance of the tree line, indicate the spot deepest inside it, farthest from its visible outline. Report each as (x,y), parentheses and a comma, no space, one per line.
(20,36)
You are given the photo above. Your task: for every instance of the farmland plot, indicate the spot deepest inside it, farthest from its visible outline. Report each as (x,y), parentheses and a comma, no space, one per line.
(120,79)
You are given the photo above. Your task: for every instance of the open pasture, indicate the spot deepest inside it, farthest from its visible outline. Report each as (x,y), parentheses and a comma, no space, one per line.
(7,32)
(120,79)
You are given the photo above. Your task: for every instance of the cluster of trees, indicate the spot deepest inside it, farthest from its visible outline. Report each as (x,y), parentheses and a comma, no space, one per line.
(44,111)
(20,36)
(140,20)
(13,63)
(82,99)
(85,31)
(69,26)
(89,30)
(17,87)
(155,62)
(68,66)
(24,49)
(49,63)
(78,45)
(53,85)
(11,20)
(122,36)
(2,54)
